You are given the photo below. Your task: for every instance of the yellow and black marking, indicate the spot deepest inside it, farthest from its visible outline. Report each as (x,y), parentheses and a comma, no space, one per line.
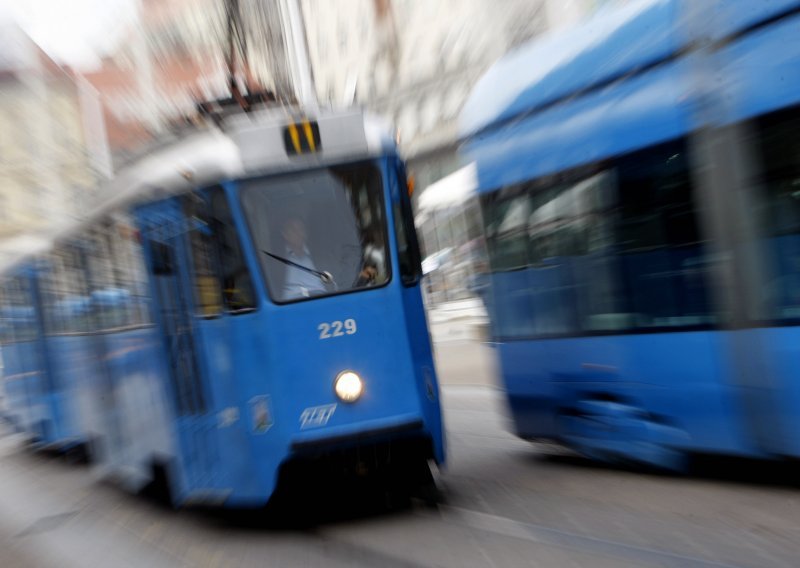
(302,138)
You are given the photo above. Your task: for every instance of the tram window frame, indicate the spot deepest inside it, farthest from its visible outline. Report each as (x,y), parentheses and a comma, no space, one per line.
(604,250)
(143,296)
(206,284)
(224,259)
(374,168)
(6,323)
(231,260)
(65,277)
(103,272)
(777,211)
(131,272)
(17,287)
(409,255)
(53,324)
(112,258)
(162,263)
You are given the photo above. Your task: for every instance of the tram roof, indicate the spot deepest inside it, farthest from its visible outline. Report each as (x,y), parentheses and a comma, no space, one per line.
(569,61)
(618,83)
(608,47)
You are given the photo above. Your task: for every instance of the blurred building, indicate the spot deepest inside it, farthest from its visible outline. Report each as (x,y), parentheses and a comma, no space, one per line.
(174,56)
(162,64)
(52,140)
(416,62)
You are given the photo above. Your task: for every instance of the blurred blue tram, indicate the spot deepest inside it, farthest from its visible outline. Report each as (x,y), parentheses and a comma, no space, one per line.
(187,335)
(639,180)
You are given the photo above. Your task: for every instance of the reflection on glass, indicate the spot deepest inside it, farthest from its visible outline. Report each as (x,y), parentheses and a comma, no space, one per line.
(616,251)
(778,209)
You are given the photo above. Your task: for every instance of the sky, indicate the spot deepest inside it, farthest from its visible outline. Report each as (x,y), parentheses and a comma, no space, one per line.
(73,32)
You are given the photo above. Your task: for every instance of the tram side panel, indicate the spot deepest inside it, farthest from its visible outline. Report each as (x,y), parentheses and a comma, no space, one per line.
(30,404)
(407,257)
(140,431)
(606,392)
(231,352)
(759,107)
(71,368)
(67,350)
(108,355)
(16,376)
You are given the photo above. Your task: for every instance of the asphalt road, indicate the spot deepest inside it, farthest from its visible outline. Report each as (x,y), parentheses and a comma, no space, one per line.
(504,502)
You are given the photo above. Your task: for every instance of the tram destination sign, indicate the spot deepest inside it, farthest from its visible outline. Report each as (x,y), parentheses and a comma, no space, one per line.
(302,138)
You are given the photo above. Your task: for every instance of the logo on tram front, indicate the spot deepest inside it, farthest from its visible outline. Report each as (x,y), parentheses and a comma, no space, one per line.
(316,416)
(261,413)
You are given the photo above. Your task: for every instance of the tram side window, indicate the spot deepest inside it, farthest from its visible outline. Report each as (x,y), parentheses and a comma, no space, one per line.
(21,309)
(139,283)
(118,279)
(407,245)
(616,251)
(6,322)
(106,298)
(130,273)
(664,261)
(207,288)
(161,259)
(569,233)
(65,293)
(506,214)
(545,237)
(778,204)
(237,284)
(221,277)
(50,296)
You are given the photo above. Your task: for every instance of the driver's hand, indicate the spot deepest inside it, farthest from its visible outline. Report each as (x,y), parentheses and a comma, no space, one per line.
(369,274)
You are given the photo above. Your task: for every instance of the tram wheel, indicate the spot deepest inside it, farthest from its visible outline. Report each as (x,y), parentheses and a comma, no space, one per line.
(159,488)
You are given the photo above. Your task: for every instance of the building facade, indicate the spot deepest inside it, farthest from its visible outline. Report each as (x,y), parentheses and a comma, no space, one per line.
(53,149)
(416,62)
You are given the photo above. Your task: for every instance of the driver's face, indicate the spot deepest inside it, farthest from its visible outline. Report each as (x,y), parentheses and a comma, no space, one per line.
(295,234)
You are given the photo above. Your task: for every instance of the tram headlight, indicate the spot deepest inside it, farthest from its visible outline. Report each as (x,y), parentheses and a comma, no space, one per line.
(348,386)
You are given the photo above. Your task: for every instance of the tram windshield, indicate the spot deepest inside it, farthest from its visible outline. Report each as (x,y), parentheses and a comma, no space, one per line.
(320,232)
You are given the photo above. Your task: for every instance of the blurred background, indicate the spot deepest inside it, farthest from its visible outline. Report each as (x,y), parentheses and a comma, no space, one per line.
(87,86)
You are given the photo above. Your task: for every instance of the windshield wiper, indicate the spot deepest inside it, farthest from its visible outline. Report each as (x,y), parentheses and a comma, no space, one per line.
(325,277)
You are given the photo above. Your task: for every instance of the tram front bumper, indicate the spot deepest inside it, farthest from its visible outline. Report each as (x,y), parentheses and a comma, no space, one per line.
(358,433)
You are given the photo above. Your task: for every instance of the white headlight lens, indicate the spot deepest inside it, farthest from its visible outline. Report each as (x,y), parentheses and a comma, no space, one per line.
(348,386)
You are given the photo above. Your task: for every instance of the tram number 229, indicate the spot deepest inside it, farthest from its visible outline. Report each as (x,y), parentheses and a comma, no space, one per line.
(337,328)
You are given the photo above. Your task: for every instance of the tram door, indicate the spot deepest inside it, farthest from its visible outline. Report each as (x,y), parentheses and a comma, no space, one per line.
(164,233)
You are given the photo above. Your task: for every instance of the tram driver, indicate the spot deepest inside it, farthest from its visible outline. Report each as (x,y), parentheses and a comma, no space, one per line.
(301,278)
(304,279)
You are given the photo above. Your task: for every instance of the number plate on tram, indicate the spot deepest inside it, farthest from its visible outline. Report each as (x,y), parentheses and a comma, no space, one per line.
(337,328)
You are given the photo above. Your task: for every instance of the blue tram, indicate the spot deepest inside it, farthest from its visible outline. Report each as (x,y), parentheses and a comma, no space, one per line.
(248,298)
(639,180)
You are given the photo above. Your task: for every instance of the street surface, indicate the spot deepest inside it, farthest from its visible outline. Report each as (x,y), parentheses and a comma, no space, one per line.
(504,502)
